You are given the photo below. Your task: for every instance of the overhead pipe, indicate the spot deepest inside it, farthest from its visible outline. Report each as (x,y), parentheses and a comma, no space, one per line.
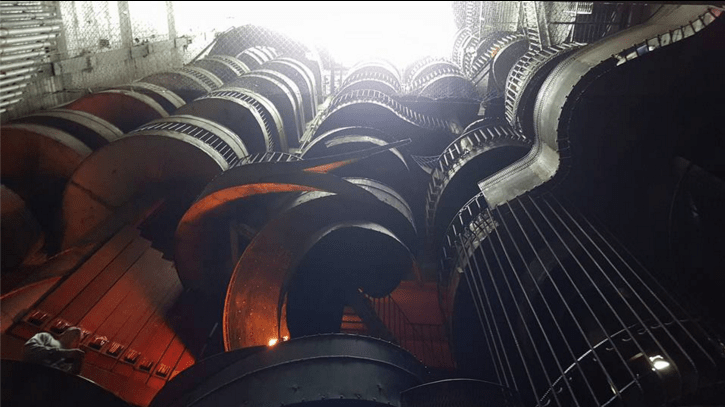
(6,32)
(30,22)
(26,47)
(24,55)
(26,15)
(21,3)
(14,87)
(20,64)
(10,95)
(21,40)
(15,79)
(18,72)
(22,8)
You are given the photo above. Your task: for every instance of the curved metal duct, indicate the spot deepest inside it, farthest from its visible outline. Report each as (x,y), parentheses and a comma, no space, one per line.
(428,67)
(188,84)
(220,67)
(302,77)
(569,318)
(172,89)
(90,129)
(380,66)
(524,82)
(255,303)
(253,118)
(238,39)
(483,150)
(390,167)
(247,196)
(510,49)
(169,100)
(114,105)
(238,196)
(283,99)
(176,391)
(184,150)
(384,82)
(254,57)
(441,81)
(319,370)
(568,81)
(461,42)
(294,90)
(489,46)
(43,149)
(369,108)
(415,66)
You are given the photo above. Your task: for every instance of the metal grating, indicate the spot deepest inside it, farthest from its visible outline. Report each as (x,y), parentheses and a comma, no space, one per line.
(261,110)
(523,72)
(196,132)
(269,156)
(207,78)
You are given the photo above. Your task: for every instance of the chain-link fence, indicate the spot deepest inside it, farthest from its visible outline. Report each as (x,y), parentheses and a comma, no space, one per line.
(588,22)
(99,44)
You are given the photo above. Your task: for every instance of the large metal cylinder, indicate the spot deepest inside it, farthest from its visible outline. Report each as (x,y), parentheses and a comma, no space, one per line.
(486,147)
(255,302)
(114,106)
(184,151)
(340,370)
(35,385)
(282,96)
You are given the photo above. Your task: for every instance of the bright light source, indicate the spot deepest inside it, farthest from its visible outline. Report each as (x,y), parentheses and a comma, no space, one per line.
(659,363)
(285,338)
(272,342)
(400,32)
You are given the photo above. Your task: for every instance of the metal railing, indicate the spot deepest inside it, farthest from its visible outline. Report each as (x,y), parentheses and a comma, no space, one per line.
(428,342)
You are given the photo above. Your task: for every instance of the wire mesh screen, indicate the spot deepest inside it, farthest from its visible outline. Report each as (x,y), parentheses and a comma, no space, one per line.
(588,22)
(102,44)
(486,17)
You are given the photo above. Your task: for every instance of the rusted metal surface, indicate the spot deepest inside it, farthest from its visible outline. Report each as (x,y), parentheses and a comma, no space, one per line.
(120,171)
(22,235)
(195,235)
(91,130)
(114,107)
(36,163)
(254,310)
